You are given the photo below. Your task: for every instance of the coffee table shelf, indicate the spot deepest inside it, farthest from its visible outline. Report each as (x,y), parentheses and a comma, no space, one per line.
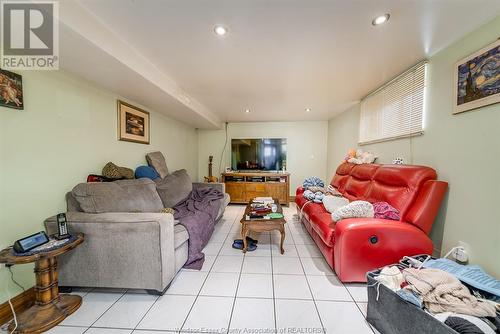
(262,225)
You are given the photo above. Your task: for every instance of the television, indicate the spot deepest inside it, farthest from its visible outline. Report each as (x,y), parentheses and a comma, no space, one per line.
(263,154)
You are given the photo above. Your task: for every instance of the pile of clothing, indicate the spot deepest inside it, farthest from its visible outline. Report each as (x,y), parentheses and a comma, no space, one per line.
(312,181)
(317,194)
(315,189)
(444,296)
(340,207)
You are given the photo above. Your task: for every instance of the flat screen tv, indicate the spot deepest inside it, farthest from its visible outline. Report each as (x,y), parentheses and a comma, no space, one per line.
(263,154)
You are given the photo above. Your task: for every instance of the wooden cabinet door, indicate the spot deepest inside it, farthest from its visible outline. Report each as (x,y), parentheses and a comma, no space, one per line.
(255,189)
(277,190)
(236,191)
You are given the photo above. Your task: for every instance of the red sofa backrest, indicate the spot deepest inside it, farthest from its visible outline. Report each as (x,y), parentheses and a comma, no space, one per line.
(402,186)
(360,181)
(341,176)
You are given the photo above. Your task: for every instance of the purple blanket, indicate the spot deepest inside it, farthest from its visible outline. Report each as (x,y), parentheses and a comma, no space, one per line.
(197,214)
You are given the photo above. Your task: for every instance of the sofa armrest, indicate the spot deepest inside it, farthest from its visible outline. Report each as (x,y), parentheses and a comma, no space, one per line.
(121,250)
(364,244)
(217,185)
(114,217)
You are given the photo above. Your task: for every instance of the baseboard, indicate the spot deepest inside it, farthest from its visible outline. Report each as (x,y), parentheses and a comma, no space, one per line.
(436,252)
(21,302)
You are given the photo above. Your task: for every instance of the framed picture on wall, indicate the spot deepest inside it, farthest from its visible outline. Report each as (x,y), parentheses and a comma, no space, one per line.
(133,123)
(477,79)
(11,90)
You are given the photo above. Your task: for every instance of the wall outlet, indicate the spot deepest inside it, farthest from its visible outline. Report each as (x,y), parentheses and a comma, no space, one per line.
(461,253)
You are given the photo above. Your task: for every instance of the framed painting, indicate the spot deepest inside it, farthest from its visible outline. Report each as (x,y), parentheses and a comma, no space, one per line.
(133,123)
(477,79)
(11,90)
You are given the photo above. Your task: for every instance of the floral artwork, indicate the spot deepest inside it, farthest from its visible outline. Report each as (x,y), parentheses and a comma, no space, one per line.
(11,90)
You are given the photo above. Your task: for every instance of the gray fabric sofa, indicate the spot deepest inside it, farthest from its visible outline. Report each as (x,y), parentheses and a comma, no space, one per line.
(125,250)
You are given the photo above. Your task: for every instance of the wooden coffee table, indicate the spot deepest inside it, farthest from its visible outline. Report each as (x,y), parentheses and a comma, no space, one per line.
(50,307)
(262,225)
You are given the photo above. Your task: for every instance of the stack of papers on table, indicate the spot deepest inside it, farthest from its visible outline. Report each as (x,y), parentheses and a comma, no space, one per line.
(264,200)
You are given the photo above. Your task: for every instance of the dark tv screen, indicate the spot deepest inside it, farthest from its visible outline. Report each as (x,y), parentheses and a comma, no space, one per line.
(266,154)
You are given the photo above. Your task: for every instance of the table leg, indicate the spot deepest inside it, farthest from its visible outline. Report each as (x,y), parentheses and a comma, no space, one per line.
(50,307)
(244,232)
(282,231)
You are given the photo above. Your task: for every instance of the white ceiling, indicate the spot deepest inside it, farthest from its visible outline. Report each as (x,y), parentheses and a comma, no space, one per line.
(280,56)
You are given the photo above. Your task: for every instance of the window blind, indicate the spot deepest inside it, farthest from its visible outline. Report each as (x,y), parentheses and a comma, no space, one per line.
(396,109)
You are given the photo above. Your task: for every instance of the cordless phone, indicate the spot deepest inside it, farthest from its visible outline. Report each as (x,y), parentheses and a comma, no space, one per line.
(62,227)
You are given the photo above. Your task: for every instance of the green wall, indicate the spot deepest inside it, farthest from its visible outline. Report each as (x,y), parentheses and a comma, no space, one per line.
(67,131)
(305,157)
(464,149)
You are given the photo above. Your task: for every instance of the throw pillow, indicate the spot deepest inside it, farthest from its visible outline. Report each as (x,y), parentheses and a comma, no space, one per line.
(146,171)
(137,195)
(356,209)
(157,161)
(332,203)
(112,171)
(174,188)
(384,210)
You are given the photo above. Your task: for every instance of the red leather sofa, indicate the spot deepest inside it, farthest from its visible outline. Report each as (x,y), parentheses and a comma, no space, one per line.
(354,246)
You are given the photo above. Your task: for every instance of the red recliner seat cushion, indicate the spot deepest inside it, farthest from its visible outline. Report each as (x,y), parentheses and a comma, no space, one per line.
(324,226)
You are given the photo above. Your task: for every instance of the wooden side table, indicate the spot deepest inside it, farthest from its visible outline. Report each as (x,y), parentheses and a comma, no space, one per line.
(50,307)
(262,225)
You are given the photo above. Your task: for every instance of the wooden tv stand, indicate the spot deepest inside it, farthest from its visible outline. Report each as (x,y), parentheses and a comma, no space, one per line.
(242,187)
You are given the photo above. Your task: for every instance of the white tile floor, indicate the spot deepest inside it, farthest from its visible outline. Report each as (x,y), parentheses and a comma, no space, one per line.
(261,290)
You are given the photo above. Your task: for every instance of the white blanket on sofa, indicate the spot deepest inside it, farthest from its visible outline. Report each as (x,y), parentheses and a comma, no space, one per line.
(332,203)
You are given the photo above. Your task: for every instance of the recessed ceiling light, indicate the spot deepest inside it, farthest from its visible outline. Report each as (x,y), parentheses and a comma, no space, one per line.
(381,19)
(247,110)
(220,30)
(308,109)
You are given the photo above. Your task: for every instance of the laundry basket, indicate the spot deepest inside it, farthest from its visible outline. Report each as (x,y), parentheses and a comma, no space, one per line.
(390,314)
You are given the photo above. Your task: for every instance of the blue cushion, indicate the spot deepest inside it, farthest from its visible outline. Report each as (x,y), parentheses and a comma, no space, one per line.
(146,171)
